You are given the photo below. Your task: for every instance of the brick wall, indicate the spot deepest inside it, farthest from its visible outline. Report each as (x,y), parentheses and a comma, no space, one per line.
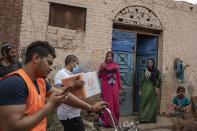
(10,20)
(178,38)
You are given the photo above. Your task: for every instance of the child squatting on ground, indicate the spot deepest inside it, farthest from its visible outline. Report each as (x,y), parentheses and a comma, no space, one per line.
(181,105)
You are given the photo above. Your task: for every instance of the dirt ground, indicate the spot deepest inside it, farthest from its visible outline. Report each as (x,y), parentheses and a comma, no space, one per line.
(163,124)
(184,124)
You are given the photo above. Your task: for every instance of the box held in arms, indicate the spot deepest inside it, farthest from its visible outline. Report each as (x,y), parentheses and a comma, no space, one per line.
(91,87)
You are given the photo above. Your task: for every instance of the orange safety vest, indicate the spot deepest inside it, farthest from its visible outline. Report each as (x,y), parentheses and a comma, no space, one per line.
(34,101)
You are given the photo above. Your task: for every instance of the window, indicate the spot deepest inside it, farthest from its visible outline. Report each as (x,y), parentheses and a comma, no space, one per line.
(67,16)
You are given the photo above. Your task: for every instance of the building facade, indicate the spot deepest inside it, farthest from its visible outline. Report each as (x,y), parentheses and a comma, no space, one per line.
(89,28)
(10,21)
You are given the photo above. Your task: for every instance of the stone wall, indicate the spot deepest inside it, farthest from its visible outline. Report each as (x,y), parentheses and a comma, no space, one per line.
(177,39)
(10,20)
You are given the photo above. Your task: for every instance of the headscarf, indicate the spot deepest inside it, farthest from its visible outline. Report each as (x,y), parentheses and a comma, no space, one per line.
(112,54)
(110,65)
(154,72)
(110,69)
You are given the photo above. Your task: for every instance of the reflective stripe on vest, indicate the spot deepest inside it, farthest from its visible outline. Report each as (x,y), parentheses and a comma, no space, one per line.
(34,101)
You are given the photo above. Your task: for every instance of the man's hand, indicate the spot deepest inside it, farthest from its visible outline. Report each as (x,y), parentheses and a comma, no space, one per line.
(79,83)
(76,85)
(55,100)
(73,85)
(98,106)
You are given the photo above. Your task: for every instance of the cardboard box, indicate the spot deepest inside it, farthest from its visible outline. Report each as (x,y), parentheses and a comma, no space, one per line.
(91,87)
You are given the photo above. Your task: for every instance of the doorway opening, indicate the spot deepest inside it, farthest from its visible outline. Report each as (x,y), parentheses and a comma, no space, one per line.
(131,50)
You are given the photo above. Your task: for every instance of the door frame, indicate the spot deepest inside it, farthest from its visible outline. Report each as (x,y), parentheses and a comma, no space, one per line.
(145,31)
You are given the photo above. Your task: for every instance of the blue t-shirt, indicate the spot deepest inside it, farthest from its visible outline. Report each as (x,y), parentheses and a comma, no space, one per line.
(181,102)
(13,90)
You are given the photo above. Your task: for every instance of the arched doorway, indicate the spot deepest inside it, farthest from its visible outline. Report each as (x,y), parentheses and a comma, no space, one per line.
(135,38)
